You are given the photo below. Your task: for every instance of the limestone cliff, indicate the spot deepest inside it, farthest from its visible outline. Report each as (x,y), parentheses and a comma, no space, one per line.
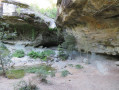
(94,23)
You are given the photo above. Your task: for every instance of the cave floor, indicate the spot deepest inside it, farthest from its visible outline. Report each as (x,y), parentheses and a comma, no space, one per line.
(87,78)
(100,74)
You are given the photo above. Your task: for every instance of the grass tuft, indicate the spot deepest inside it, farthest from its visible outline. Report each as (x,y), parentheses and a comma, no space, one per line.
(65,73)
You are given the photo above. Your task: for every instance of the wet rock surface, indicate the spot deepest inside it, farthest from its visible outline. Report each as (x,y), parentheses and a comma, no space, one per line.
(94,23)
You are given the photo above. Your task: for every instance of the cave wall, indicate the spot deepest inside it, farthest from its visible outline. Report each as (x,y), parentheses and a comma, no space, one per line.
(94,23)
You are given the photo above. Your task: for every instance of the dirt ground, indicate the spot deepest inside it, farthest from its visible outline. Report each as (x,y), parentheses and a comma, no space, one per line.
(88,78)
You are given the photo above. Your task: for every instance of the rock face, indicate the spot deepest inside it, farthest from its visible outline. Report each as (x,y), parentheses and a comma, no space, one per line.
(28,24)
(94,23)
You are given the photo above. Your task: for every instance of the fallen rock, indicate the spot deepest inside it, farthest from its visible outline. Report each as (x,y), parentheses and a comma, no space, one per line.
(117,63)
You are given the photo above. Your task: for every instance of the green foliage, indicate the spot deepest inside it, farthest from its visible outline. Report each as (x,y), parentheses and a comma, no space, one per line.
(34,54)
(19,53)
(43,55)
(69,43)
(22,85)
(15,74)
(62,54)
(65,73)
(3,27)
(53,29)
(50,12)
(43,75)
(48,52)
(18,10)
(37,69)
(5,57)
(78,66)
(43,71)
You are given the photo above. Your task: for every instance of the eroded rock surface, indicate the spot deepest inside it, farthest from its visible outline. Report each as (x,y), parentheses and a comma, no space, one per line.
(94,23)
(28,24)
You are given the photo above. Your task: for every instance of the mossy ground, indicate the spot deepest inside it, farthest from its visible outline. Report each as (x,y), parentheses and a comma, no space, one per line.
(15,74)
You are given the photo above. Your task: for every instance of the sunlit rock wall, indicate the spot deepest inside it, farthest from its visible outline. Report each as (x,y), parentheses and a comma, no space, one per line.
(94,23)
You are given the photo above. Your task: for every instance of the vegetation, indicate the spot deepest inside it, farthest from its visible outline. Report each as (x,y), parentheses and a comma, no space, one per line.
(22,85)
(78,66)
(36,69)
(66,47)
(62,54)
(3,27)
(69,43)
(34,54)
(4,57)
(44,56)
(19,53)
(42,71)
(43,75)
(18,10)
(15,74)
(4,33)
(50,12)
(65,73)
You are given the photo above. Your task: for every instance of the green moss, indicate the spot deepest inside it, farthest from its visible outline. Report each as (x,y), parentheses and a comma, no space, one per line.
(15,74)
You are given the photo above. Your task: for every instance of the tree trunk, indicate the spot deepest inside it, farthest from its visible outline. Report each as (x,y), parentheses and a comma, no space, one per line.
(4,72)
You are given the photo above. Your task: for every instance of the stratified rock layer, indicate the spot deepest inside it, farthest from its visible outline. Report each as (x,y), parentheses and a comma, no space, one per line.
(94,23)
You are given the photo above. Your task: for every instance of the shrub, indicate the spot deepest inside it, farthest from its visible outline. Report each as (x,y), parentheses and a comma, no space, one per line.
(78,66)
(15,74)
(43,71)
(19,53)
(62,54)
(69,43)
(46,55)
(43,55)
(22,85)
(34,54)
(43,75)
(65,73)
(48,52)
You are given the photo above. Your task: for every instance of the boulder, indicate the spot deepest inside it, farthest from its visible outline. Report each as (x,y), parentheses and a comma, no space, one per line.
(117,63)
(94,23)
